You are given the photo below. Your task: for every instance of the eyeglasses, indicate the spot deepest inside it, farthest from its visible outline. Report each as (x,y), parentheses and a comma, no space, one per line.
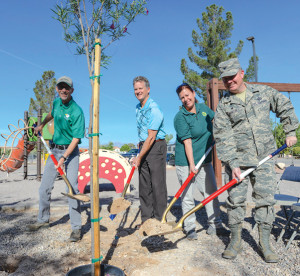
(181,86)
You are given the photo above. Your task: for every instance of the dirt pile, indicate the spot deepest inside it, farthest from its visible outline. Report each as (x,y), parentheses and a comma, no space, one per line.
(152,227)
(119,205)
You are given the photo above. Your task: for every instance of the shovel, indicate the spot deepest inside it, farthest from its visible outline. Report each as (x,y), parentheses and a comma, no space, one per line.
(70,194)
(186,182)
(234,181)
(121,203)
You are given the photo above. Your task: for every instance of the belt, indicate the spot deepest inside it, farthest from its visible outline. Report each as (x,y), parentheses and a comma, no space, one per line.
(158,140)
(61,147)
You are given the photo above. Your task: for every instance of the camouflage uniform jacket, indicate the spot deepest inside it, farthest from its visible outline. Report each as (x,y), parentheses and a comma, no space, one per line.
(243,131)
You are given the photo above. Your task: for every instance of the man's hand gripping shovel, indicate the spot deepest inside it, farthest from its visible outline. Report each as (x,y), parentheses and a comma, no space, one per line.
(70,194)
(179,225)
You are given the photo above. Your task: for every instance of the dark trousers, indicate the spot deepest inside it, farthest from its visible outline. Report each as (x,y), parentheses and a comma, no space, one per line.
(152,182)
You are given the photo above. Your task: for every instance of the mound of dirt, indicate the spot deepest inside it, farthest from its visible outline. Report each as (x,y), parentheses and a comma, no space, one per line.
(153,227)
(119,205)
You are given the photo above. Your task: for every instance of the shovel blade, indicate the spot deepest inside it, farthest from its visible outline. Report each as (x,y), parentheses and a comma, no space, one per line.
(167,233)
(81,197)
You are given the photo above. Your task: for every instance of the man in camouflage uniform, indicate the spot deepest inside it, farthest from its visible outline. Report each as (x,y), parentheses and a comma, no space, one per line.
(243,135)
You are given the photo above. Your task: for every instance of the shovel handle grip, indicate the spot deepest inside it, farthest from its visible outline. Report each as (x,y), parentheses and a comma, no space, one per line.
(183,186)
(130,175)
(128,181)
(219,191)
(191,175)
(235,181)
(61,172)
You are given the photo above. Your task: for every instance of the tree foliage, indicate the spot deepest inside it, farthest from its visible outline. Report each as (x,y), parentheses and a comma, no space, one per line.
(168,138)
(109,146)
(85,21)
(213,47)
(131,145)
(44,92)
(125,148)
(280,136)
(250,72)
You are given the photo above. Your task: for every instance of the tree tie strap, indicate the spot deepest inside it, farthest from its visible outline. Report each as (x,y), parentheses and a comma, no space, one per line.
(97,43)
(94,134)
(96,219)
(97,260)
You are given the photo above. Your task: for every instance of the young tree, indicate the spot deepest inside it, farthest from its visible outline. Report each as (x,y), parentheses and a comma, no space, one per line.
(44,92)
(85,21)
(212,45)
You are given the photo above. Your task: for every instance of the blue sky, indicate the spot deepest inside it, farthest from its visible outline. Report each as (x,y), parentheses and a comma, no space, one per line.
(32,42)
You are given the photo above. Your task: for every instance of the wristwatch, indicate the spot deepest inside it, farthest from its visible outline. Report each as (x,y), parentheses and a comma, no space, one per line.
(63,157)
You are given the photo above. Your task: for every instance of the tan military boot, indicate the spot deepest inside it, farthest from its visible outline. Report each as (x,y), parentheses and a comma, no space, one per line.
(234,247)
(264,231)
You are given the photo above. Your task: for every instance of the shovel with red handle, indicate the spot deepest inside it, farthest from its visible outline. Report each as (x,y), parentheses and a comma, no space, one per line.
(112,216)
(186,182)
(234,181)
(70,194)
(125,203)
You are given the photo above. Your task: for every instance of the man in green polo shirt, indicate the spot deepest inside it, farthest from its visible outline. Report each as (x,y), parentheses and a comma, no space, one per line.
(68,130)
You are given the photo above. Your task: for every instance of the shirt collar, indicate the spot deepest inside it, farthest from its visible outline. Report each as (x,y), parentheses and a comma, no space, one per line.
(67,104)
(149,100)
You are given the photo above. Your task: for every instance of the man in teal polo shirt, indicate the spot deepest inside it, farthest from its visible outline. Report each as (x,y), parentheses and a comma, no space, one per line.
(68,130)
(151,160)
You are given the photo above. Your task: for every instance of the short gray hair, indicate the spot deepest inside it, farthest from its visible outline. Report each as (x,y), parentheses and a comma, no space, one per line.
(141,78)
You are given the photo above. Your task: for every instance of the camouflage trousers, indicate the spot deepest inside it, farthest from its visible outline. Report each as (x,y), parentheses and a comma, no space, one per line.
(263,181)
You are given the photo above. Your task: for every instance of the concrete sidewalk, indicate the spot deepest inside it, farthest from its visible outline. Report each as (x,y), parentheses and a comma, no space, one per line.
(19,194)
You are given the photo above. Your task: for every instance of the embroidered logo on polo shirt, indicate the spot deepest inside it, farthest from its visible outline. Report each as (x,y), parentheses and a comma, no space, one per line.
(67,116)
(204,114)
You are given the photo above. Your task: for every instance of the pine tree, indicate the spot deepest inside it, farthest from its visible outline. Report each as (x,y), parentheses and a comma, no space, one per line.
(212,45)
(250,72)
(44,92)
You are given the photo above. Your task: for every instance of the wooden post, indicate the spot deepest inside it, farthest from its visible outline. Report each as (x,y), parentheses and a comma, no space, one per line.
(39,149)
(213,100)
(95,187)
(25,138)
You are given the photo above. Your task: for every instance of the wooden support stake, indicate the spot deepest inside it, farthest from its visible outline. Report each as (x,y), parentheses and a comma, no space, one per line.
(95,187)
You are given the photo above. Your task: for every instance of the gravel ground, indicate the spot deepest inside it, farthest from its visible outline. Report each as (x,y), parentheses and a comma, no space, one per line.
(47,252)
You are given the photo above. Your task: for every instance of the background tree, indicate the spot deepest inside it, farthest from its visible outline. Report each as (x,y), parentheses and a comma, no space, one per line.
(109,146)
(131,145)
(213,47)
(279,136)
(45,93)
(250,72)
(168,138)
(125,148)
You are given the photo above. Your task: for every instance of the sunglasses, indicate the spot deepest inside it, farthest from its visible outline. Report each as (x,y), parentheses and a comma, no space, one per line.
(63,85)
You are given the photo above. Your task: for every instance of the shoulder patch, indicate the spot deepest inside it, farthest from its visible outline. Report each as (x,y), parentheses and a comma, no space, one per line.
(204,114)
